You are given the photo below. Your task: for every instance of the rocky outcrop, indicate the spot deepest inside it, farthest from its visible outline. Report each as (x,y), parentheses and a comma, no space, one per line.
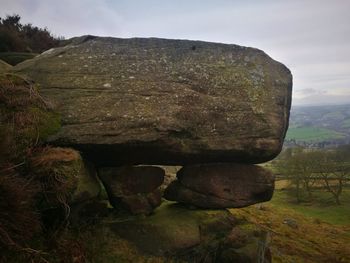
(149,101)
(135,188)
(158,101)
(221,185)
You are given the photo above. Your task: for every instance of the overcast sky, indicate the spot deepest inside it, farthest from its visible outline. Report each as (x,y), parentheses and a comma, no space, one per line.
(311,37)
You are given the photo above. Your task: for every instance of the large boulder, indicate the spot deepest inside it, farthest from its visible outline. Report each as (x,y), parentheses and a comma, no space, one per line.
(159,101)
(220,185)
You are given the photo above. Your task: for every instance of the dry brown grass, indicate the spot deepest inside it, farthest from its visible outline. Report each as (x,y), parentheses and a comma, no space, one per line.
(19,221)
(56,172)
(16,93)
(49,156)
(71,250)
(312,241)
(24,115)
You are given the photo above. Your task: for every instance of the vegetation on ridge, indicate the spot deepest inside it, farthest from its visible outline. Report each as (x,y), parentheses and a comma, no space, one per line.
(18,37)
(19,42)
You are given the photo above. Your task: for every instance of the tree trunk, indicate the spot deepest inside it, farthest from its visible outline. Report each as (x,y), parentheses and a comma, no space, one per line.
(298,190)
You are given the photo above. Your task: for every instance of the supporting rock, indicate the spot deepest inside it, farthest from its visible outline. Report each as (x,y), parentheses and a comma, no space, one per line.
(184,235)
(219,185)
(135,188)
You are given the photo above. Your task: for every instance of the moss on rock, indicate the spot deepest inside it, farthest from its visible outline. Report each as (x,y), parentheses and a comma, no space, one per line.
(190,235)
(48,122)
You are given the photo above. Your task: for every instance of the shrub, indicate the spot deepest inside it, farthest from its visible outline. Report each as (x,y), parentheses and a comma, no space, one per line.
(15,37)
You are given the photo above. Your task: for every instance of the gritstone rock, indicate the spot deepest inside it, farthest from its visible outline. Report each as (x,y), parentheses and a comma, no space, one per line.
(134,188)
(160,101)
(221,185)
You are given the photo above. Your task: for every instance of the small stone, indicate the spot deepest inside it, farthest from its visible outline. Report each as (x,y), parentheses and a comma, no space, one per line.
(291,223)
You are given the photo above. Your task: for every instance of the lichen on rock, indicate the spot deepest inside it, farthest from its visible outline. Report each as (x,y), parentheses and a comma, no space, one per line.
(161,101)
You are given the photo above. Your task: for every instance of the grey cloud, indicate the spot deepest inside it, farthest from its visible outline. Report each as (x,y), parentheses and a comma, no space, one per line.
(322,99)
(311,37)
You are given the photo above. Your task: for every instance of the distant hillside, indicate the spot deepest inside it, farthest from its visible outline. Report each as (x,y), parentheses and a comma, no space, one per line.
(319,126)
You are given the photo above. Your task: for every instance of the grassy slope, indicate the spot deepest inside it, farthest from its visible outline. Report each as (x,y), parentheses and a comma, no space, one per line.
(312,134)
(328,211)
(315,239)
(312,241)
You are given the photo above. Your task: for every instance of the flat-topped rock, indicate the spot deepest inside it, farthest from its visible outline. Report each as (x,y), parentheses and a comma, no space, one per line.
(159,101)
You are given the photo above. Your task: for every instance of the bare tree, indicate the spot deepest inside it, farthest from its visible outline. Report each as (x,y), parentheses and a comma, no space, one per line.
(303,167)
(296,167)
(334,169)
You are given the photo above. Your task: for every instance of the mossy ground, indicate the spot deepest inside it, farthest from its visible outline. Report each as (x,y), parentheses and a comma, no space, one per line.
(171,227)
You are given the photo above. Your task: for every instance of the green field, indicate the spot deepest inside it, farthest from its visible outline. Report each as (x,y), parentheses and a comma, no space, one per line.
(346,124)
(321,207)
(312,134)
